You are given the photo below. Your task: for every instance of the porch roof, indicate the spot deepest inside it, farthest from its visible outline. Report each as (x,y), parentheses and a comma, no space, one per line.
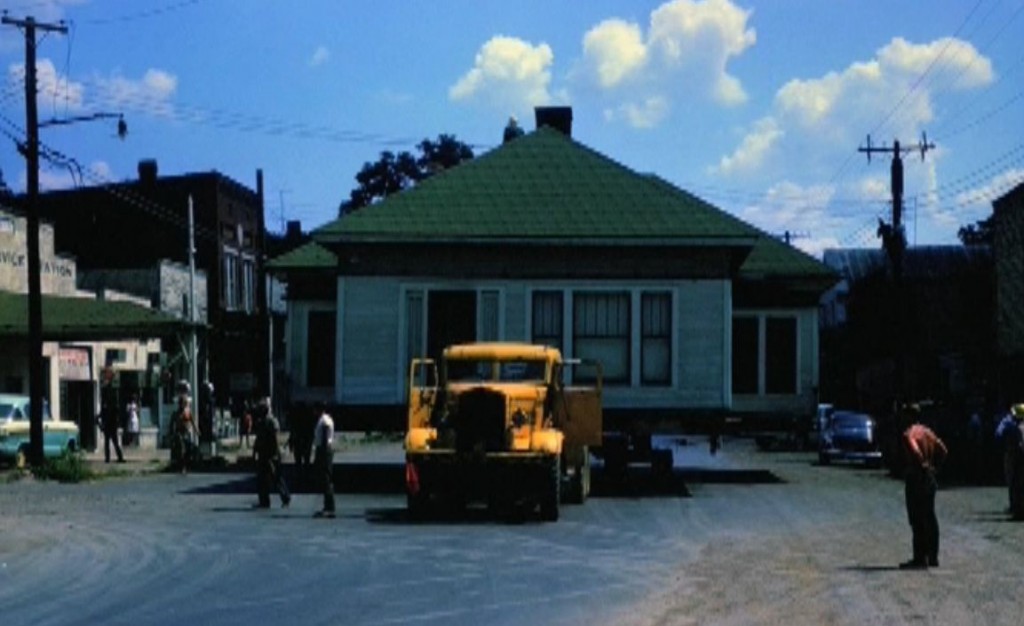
(71,318)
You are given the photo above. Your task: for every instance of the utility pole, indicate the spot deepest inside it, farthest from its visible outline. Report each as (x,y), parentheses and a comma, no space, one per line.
(894,242)
(35,298)
(894,239)
(193,352)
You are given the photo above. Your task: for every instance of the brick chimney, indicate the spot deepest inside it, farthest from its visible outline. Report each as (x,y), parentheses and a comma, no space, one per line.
(147,171)
(559,118)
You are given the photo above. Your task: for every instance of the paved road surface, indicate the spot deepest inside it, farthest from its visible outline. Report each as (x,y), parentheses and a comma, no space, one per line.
(741,538)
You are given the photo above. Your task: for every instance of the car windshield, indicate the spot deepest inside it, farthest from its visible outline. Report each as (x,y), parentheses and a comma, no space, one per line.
(476,370)
(6,410)
(849,420)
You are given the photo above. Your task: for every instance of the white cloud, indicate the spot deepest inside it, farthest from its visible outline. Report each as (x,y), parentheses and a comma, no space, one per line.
(646,114)
(801,211)
(688,42)
(947,60)
(509,73)
(978,201)
(868,91)
(320,56)
(616,50)
(755,146)
(151,93)
(818,119)
(53,87)
(703,37)
(786,203)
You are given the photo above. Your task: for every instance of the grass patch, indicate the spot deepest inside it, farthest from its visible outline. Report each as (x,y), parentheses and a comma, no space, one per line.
(69,467)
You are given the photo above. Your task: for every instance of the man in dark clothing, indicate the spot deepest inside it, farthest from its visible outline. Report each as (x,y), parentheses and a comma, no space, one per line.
(267,454)
(925,453)
(110,419)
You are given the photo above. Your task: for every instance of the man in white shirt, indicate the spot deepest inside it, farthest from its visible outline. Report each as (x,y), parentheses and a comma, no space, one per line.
(323,442)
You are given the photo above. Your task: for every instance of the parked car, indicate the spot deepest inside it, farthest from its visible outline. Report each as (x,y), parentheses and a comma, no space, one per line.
(59,436)
(849,436)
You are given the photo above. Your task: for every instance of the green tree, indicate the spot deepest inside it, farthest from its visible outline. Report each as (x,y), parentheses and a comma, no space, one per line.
(978,234)
(392,172)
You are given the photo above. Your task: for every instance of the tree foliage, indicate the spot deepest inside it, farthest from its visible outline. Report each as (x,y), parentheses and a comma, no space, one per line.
(392,172)
(978,234)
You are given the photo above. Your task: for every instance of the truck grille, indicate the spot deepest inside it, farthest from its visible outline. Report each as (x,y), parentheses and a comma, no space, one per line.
(480,421)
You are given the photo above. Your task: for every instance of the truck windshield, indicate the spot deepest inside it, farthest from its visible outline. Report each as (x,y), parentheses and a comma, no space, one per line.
(472,370)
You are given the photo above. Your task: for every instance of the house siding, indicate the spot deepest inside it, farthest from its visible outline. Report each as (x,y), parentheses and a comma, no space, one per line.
(373,358)
(367,341)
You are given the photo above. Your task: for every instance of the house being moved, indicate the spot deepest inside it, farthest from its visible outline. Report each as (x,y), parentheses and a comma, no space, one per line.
(692,312)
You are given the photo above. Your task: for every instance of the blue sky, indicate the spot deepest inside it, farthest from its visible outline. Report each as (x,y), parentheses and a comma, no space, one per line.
(758,107)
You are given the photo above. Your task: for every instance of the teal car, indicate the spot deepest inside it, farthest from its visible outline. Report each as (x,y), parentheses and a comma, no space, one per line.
(59,436)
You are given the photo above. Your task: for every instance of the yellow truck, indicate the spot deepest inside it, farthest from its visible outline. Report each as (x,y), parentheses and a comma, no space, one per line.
(496,422)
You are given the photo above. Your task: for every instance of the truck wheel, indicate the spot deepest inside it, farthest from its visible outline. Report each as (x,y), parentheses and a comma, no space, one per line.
(551,493)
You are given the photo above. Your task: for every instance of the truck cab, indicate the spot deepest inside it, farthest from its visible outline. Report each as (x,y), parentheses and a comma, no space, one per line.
(494,420)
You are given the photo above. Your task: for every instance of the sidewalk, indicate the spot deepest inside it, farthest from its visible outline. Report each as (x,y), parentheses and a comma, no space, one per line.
(349,447)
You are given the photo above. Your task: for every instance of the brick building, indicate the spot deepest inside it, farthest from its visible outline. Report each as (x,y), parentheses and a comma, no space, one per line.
(121,228)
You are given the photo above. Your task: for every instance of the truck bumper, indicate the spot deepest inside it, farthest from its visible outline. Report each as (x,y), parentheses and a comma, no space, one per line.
(474,477)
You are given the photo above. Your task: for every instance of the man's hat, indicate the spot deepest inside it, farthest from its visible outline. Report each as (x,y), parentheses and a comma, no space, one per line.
(1018,411)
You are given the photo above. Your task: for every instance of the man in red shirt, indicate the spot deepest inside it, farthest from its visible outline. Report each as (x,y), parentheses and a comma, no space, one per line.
(925,453)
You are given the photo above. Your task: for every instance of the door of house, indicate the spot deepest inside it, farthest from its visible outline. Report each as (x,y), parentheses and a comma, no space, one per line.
(451,318)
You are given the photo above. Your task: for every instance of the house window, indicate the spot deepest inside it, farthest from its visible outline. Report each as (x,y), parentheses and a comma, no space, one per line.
(780,355)
(655,339)
(601,330)
(248,285)
(230,281)
(764,355)
(745,355)
(489,317)
(320,348)
(547,318)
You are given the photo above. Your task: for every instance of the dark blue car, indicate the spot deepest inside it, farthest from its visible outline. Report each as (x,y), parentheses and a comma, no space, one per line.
(850,436)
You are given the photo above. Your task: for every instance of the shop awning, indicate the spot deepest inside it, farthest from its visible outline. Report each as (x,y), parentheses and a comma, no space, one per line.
(85,319)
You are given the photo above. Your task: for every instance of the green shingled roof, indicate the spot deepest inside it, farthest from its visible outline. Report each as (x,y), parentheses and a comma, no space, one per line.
(543,185)
(310,255)
(85,318)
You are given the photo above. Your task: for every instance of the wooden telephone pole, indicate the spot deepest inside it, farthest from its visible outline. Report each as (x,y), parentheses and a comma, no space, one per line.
(894,242)
(35,307)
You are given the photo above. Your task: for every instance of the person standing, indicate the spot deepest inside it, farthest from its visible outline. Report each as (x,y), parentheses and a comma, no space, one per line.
(323,441)
(183,432)
(925,453)
(109,419)
(133,425)
(1009,434)
(267,454)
